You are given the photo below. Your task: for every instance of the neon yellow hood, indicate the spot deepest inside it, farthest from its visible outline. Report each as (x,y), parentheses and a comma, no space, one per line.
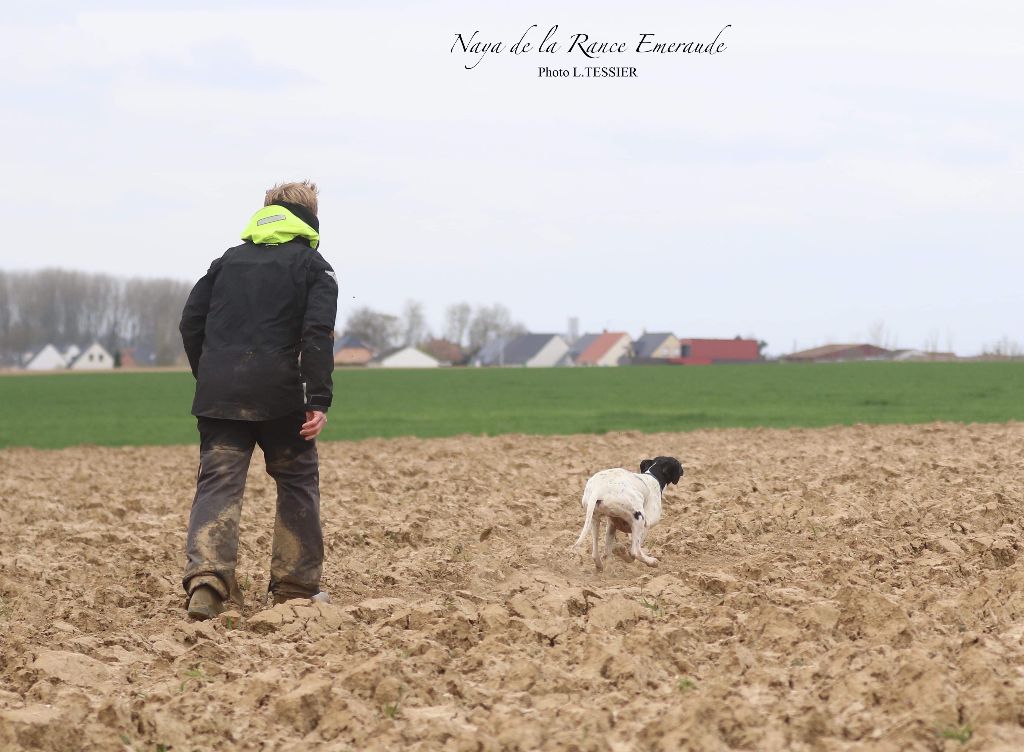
(273,225)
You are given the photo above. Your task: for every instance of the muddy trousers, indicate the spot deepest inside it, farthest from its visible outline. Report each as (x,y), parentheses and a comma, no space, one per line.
(226,447)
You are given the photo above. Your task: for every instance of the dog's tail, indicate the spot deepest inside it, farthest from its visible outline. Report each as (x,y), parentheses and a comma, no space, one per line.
(590,504)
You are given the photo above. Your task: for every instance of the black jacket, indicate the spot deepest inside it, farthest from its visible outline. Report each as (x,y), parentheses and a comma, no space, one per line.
(258,330)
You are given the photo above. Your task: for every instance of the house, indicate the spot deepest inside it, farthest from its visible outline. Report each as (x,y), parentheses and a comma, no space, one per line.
(656,346)
(47,359)
(445,351)
(699,352)
(138,356)
(350,350)
(926,355)
(607,349)
(491,353)
(404,357)
(580,344)
(93,358)
(535,351)
(70,353)
(838,353)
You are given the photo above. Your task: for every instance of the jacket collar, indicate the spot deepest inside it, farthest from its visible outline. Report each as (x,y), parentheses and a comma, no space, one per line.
(276,224)
(302,213)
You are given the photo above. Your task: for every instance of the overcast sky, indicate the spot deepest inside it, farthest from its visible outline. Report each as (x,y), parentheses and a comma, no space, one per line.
(830,169)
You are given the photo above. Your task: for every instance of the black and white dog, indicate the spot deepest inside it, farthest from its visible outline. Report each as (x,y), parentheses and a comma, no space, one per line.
(630,501)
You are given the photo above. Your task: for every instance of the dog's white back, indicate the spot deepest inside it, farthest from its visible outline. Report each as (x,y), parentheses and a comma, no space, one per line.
(624,491)
(632,498)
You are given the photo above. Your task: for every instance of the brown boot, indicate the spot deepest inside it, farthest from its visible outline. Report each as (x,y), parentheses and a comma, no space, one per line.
(205,603)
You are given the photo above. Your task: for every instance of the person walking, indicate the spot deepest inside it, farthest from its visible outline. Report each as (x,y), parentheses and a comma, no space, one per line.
(258,330)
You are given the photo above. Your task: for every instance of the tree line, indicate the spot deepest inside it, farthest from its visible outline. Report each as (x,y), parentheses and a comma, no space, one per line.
(69,307)
(468,327)
(61,307)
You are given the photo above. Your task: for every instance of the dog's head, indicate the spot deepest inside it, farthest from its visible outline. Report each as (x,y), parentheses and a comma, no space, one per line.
(665,469)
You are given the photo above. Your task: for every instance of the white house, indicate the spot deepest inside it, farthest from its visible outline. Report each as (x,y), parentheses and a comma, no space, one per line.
(47,359)
(404,357)
(70,353)
(536,351)
(93,358)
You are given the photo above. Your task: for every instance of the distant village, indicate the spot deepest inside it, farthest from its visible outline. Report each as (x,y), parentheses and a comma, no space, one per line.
(533,350)
(63,320)
(529,350)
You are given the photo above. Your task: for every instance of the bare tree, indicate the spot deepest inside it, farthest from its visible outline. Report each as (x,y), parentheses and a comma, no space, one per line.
(491,322)
(1004,348)
(5,308)
(414,324)
(456,322)
(165,301)
(880,336)
(876,333)
(380,331)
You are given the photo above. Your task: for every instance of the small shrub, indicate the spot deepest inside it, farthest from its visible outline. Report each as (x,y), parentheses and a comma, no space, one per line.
(195,674)
(961,734)
(392,710)
(655,605)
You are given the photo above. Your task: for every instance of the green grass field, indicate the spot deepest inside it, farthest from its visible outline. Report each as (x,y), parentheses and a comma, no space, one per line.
(116,409)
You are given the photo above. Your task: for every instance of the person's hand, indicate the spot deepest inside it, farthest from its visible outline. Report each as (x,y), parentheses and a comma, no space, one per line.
(315,422)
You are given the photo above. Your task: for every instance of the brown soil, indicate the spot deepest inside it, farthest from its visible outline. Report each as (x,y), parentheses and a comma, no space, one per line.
(848,588)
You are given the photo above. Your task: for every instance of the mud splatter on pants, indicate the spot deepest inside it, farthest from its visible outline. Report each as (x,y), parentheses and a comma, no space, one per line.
(226,447)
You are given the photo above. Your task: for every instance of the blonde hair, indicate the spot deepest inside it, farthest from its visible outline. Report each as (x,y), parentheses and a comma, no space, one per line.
(303,193)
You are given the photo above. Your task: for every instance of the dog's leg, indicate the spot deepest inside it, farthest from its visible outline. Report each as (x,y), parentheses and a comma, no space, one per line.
(597,539)
(611,548)
(609,539)
(637,540)
(647,559)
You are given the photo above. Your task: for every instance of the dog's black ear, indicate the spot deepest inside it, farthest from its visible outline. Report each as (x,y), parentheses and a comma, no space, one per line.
(645,465)
(676,471)
(671,468)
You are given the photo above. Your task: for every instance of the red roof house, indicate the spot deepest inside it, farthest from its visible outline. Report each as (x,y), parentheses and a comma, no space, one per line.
(444,350)
(701,352)
(607,349)
(349,350)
